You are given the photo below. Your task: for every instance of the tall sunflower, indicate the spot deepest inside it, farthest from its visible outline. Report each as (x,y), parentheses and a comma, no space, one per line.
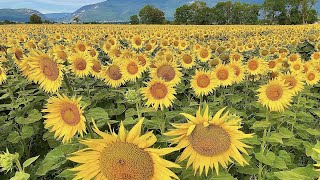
(294,82)
(131,69)
(210,141)
(275,95)
(64,117)
(113,76)
(3,75)
(168,71)
(224,74)
(158,93)
(203,83)
(81,64)
(256,66)
(44,70)
(126,155)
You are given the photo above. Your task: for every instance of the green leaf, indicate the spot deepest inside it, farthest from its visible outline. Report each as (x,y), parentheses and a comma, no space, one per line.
(29,161)
(301,173)
(20,176)
(223,175)
(285,133)
(99,115)
(315,132)
(34,115)
(260,125)
(275,137)
(267,159)
(14,137)
(27,132)
(56,157)
(66,174)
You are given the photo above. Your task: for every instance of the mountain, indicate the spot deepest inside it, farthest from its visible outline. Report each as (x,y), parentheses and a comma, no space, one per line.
(19,15)
(57,16)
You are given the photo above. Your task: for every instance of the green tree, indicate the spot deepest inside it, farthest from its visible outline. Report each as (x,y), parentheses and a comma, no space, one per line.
(35,19)
(183,15)
(76,19)
(134,19)
(151,15)
(223,12)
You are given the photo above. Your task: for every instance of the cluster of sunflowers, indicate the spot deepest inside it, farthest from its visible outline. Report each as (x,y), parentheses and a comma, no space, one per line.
(159,57)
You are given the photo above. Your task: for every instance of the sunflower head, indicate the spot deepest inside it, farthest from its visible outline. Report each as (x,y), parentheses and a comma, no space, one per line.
(126,155)
(209,141)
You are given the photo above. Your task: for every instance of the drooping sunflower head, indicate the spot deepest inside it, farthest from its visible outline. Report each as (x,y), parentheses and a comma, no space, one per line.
(113,76)
(126,155)
(203,83)
(158,93)
(210,141)
(18,53)
(81,64)
(224,74)
(64,117)
(43,70)
(275,95)
(168,71)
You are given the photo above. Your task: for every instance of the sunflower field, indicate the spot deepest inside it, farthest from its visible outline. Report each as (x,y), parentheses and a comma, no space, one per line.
(159,102)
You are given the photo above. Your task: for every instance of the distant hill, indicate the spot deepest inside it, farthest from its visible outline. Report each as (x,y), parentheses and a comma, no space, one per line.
(57,16)
(19,15)
(121,10)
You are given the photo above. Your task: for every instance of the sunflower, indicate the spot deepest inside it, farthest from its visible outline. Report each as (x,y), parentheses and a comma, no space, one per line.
(81,64)
(187,60)
(256,66)
(294,81)
(239,71)
(168,71)
(17,54)
(126,155)
(312,77)
(204,54)
(43,70)
(234,56)
(274,65)
(293,58)
(224,74)
(131,69)
(80,47)
(137,42)
(60,52)
(143,61)
(3,75)
(158,93)
(113,76)
(297,66)
(275,95)
(64,117)
(96,69)
(203,83)
(210,141)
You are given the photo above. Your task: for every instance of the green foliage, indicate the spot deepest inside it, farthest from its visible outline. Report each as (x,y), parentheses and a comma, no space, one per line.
(151,15)
(134,19)
(35,19)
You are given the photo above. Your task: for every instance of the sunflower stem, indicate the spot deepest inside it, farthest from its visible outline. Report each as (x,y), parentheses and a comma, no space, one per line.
(138,109)
(295,113)
(263,145)
(89,128)
(67,82)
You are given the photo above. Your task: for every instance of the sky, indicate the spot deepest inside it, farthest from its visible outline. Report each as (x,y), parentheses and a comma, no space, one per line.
(47,6)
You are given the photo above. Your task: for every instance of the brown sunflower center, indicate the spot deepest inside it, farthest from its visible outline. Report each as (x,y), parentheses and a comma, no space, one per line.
(62,55)
(187,59)
(126,161)
(18,54)
(253,65)
(138,41)
(296,67)
(204,53)
(291,81)
(159,91)
(237,70)
(114,72)
(316,56)
(132,68)
(82,47)
(93,53)
(0,71)
(96,66)
(272,64)
(274,92)
(80,64)
(166,72)
(49,68)
(264,52)
(70,114)
(236,57)
(203,81)
(222,74)
(209,141)
(311,76)
(148,47)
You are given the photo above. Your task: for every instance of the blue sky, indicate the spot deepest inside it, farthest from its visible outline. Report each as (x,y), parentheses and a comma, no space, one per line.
(47,6)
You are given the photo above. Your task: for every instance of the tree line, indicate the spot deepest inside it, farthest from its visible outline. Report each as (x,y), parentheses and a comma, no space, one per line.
(270,12)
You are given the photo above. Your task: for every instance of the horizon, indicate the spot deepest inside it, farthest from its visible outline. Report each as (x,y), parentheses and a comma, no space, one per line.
(47,6)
